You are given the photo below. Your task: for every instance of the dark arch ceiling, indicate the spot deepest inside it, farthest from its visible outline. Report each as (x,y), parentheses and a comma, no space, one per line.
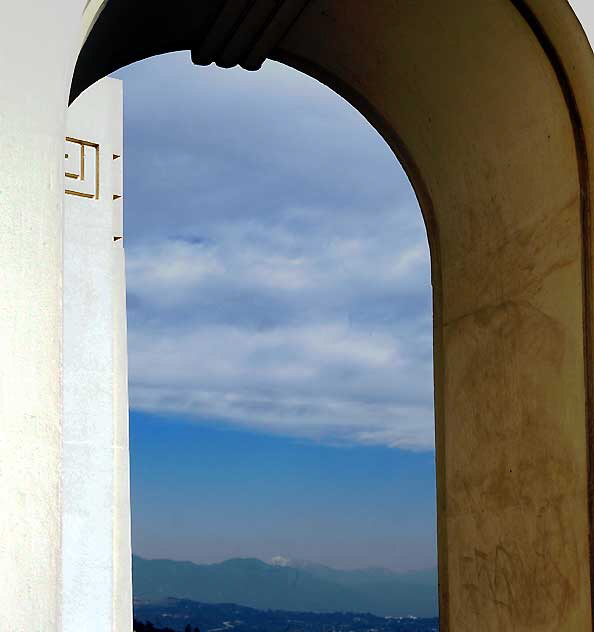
(225,32)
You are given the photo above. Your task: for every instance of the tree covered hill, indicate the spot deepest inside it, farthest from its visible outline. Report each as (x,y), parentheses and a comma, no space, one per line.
(181,615)
(138,626)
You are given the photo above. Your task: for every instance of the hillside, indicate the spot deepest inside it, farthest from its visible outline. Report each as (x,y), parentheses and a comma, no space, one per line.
(178,614)
(311,588)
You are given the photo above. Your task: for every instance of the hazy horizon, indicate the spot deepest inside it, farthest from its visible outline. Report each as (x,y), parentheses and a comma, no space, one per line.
(294,563)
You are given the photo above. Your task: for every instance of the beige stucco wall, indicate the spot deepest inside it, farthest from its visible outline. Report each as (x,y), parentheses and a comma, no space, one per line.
(473,107)
(584,10)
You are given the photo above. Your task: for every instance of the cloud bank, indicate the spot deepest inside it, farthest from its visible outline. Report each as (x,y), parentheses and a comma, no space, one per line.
(278,268)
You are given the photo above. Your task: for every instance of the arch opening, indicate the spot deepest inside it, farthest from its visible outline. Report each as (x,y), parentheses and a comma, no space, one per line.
(324,334)
(480,113)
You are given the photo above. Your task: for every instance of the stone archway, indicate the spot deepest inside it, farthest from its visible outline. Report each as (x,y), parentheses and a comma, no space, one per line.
(489,106)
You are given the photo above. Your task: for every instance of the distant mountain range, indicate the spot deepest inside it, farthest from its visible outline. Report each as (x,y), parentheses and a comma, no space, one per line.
(300,587)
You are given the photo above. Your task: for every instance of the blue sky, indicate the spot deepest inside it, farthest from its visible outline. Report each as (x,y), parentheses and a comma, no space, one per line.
(279,313)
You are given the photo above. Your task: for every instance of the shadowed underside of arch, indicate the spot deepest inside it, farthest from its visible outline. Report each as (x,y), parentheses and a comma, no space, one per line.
(490,107)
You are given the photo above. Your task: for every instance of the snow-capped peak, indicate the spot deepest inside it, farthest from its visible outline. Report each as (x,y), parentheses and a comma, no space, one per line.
(280,560)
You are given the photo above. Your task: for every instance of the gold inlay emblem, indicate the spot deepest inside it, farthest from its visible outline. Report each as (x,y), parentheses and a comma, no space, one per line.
(82,168)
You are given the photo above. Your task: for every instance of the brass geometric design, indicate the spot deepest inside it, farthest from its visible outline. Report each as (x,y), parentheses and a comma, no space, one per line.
(82,168)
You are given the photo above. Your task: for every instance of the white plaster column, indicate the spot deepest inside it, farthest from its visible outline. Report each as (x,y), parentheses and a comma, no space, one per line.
(96,502)
(38,47)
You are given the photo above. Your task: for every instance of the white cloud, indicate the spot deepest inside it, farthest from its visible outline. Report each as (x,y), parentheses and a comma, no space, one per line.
(278,267)
(316,373)
(302,250)
(167,270)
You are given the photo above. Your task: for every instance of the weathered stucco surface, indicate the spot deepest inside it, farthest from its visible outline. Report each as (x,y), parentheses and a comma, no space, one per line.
(484,129)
